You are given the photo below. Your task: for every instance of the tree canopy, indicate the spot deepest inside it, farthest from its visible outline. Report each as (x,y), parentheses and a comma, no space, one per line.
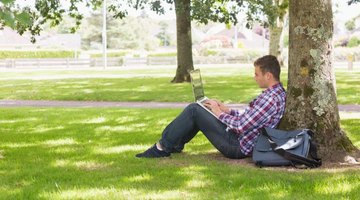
(353,1)
(32,18)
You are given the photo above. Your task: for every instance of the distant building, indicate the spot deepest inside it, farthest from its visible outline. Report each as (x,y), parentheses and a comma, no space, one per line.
(10,39)
(222,37)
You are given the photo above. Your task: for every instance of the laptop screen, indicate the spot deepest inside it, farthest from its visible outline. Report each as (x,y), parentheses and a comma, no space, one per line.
(197,85)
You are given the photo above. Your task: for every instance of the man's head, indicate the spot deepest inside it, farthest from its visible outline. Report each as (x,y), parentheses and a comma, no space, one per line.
(267,71)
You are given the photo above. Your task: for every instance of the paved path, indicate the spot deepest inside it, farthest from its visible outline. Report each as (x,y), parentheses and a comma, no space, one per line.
(84,104)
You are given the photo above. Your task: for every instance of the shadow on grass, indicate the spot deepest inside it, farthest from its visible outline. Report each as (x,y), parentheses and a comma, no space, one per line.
(89,154)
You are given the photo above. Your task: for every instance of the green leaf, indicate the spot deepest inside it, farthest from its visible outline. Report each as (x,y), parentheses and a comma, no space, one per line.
(8,18)
(7,2)
(24,18)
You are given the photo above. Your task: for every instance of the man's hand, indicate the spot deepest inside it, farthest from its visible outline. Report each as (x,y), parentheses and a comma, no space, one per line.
(216,107)
(223,108)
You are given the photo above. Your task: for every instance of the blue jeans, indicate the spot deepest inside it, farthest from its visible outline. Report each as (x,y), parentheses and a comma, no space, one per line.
(193,119)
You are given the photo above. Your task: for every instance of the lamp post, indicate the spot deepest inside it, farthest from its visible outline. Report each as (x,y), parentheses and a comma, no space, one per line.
(104,40)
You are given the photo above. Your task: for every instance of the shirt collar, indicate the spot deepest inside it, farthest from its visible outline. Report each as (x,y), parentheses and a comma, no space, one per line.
(278,85)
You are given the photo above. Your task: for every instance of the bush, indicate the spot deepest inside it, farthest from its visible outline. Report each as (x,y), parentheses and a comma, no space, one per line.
(341,42)
(342,53)
(209,52)
(37,54)
(109,54)
(240,45)
(170,54)
(353,42)
(245,54)
(253,54)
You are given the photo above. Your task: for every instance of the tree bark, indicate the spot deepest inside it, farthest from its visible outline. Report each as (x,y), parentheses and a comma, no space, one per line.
(275,42)
(276,39)
(184,42)
(311,96)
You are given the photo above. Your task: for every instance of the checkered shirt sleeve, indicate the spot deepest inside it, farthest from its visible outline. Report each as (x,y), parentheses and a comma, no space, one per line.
(264,111)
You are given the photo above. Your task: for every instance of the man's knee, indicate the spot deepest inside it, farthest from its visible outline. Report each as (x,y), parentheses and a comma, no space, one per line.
(191,107)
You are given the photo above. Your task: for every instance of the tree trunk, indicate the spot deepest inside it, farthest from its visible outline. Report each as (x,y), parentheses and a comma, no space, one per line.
(311,97)
(184,42)
(276,39)
(275,42)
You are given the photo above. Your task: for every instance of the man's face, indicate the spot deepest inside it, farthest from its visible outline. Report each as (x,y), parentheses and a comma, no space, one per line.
(262,79)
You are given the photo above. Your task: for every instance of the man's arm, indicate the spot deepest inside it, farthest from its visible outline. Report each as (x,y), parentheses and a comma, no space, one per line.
(218,107)
(253,117)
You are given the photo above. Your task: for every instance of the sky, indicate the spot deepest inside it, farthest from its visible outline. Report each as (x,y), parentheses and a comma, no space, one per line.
(345,12)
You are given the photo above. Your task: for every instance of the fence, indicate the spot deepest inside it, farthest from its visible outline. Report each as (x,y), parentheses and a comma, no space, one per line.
(58,62)
(111,61)
(123,61)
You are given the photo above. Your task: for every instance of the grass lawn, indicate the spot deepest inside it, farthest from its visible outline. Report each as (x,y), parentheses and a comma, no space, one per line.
(148,85)
(88,153)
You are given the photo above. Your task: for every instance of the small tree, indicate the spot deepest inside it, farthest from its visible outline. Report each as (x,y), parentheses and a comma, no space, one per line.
(350,25)
(163,35)
(276,29)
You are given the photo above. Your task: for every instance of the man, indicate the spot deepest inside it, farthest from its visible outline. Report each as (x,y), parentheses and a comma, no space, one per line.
(233,133)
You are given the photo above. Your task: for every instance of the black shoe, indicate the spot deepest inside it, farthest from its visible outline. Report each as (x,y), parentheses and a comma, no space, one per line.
(153,152)
(175,150)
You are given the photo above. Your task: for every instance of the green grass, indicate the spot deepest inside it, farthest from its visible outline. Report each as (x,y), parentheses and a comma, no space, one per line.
(153,84)
(348,87)
(116,89)
(352,127)
(77,153)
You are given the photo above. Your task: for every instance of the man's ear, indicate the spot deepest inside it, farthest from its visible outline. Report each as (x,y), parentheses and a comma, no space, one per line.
(269,75)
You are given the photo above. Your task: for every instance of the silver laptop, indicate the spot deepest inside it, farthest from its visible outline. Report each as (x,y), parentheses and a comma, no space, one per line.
(198,89)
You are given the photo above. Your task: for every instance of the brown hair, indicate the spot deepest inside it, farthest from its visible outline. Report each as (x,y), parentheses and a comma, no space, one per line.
(269,63)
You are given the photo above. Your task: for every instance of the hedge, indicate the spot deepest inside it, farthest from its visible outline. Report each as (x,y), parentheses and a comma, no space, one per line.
(109,54)
(169,54)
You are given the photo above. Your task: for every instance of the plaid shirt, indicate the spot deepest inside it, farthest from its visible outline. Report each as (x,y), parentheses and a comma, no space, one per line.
(264,111)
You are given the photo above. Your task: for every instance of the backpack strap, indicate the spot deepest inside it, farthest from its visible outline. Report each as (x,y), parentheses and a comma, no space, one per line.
(313,148)
(312,163)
